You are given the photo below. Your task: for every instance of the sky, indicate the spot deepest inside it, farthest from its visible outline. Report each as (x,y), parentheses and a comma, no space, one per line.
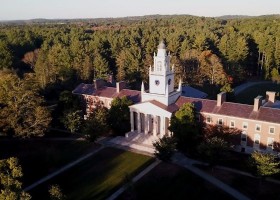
(54,9)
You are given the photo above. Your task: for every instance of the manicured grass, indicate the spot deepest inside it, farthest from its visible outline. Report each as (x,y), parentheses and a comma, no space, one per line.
(249,186)
(247,96)
(169,181)
(96,177)
(38,158)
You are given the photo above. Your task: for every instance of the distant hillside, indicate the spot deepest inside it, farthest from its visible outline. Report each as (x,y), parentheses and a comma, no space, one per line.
(226,17)
(122,19)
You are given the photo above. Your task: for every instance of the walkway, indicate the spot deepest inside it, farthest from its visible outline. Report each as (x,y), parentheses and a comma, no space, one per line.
(68,166)
(187,163)
(134,180)
(123,143)
(244,86)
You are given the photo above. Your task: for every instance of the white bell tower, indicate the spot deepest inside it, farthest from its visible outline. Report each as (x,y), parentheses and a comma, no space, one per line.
(161,79)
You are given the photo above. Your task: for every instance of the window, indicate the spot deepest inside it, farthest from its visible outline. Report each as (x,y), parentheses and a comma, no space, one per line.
(232,124)
(243,136)
(245,125)
(270,142)
(257,139)
(220,121)
(208,120)
(271,130)
(258,127)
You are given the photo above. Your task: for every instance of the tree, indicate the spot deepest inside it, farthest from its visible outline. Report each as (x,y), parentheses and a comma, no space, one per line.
(184,127)
(6,58)
(97,123)
(56,193)
(211,68)
(101,67)
(264,164)
(230,135)
(120,122)
(10,173)
(164,148)
(72,120)
(214,150)
(22,113)
(275,75)
(30,58)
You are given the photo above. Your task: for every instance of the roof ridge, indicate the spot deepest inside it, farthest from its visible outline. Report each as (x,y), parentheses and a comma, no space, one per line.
(197,98)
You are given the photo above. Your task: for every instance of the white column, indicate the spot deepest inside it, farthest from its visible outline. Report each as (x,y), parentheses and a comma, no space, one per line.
(168,131)
(155,125)
(162,127)
(132,121)
(138,122)
(146,127)
(150,124)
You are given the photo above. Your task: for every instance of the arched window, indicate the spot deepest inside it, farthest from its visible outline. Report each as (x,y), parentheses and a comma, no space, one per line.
(257,139)
(159,66)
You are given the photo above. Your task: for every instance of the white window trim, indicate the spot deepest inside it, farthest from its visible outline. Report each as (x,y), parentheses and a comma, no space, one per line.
(257,137)
(218,122)
(273,130)
(245,123)
(268,139)
(210,119)
(257,126)
(233,124)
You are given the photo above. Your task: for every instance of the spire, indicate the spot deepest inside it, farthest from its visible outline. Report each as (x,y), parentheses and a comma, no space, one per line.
(161,45)
(142,87)
(180,86)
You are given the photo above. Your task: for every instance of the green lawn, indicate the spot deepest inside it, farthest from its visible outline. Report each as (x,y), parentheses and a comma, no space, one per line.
(96,177)
(247,96)
(169,181)
(41,157)
(249,186)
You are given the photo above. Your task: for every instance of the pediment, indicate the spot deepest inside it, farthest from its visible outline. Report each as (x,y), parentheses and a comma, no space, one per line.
(151,108)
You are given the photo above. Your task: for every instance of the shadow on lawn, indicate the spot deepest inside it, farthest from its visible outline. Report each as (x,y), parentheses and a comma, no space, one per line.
(96,177)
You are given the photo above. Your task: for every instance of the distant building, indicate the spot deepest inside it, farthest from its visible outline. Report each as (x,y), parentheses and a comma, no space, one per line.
(153,108)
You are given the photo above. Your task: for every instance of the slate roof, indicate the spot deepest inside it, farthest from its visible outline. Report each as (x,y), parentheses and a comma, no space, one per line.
(83,88)
(245,111)
(109,92)
(188,91)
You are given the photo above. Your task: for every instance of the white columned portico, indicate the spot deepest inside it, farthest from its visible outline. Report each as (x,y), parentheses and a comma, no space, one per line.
(168,131)
(155,120)
(132,120)
(162,127)
(146,128)
(138,122)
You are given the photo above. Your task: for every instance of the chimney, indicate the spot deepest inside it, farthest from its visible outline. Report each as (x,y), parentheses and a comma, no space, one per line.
(120,86)
(257,103)
(98,83)
(270,96)
(221,98)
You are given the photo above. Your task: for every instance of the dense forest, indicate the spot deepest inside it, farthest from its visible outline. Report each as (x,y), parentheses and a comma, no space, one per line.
(204,50)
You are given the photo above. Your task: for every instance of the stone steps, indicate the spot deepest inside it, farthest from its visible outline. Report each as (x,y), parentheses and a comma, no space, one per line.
(136,141)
